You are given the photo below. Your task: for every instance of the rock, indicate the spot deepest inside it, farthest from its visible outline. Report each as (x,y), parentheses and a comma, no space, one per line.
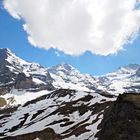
(24,82)
(47,134)
(138,72)
(122,120)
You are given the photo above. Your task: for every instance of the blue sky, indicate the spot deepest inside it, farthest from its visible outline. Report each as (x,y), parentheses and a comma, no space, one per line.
(13,36)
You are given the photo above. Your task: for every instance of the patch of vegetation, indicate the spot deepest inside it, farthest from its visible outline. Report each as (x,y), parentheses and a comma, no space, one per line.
(2,102)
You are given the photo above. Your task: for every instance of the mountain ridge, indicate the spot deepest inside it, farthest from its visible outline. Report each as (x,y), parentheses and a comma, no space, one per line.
(125,79)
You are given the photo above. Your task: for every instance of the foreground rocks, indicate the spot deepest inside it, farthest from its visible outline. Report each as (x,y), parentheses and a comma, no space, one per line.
(70,115)
(47,134)
(122,120)
(61,114)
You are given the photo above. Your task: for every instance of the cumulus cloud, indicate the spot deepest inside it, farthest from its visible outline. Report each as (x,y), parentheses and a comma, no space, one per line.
(76,26)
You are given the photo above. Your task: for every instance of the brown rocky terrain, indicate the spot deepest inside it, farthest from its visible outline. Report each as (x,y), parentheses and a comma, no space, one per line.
(122,119)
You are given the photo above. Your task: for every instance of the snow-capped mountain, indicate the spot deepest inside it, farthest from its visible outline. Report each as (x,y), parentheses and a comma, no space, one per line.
(68,77)
(13,69)
(60,76)
(12,66)
(125,79)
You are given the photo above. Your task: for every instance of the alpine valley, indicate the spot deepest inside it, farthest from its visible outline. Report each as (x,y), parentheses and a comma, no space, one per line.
(60,103)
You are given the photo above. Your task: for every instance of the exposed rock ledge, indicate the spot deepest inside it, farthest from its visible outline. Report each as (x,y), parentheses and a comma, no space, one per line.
(122,119)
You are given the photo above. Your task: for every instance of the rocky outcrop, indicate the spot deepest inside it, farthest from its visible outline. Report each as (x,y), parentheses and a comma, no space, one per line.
(138,72)
(6,75)
(122,119)
(24,82)
(47,134)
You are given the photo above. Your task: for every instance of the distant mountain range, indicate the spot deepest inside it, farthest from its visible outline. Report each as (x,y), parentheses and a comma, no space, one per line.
(125,79)
(60,103)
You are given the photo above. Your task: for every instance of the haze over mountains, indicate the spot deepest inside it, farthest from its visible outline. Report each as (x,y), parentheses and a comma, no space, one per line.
(60,103)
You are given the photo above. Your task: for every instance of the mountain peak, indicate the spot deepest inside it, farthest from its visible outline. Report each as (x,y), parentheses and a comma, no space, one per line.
(4,53)
(129,69)
(61,67)
(65,66)
(134,66)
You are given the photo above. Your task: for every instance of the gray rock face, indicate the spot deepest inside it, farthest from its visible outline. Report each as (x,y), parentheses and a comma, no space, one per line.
(23,82)
(138,72)
(6,75)
(3,53)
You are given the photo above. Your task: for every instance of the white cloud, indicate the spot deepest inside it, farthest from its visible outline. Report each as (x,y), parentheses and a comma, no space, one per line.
(75,26)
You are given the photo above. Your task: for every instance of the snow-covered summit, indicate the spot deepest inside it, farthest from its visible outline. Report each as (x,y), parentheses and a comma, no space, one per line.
(129,69)
(8,56)
(133,66)
(125,79)
(66,76)
(64,67)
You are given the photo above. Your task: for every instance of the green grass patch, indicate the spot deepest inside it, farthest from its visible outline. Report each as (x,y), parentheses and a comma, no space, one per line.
(2,102)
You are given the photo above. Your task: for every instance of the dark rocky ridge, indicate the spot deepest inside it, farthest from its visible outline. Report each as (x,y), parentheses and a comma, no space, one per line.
(3,53)
(5,74)
(47,134)
(122,119)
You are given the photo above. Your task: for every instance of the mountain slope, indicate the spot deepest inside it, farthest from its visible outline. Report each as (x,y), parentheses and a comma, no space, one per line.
(12,66)
(61,76)
(66,76)
(69,113)
(125,79)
